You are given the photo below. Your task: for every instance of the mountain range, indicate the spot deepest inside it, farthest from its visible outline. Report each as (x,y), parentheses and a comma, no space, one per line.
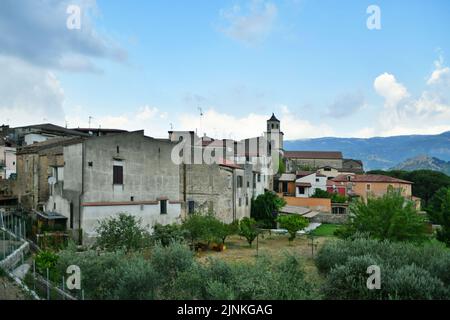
(424,162)
(380,152)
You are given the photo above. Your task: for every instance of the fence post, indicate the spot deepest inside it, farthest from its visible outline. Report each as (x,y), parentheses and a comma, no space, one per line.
(4,245)
(64,296)
(48,286)
(34,275)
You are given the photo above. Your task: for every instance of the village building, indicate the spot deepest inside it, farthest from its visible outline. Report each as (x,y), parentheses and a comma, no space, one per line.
(118,173)
(312,160)
(368,185)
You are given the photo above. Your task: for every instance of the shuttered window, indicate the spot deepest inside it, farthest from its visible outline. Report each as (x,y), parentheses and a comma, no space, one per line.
(117,174)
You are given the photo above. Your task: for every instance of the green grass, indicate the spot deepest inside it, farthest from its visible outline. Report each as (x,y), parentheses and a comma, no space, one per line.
(326,230)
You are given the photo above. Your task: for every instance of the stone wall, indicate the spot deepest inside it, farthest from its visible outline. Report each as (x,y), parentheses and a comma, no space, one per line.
(330,218)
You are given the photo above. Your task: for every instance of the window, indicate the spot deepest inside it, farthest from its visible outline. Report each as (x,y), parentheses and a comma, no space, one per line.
(259,177)
(368,187)
(317,179)
(71,216)
(248,184)
(349,178)
(301,190)
(327,169)
(163,206)
(118,149)
(117,173)
(246,201)
(131,199)
(240,202)
(191,206)
(239,181)
(90,163)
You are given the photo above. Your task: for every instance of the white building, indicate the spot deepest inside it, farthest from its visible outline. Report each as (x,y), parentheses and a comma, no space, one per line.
(306,185)
(7,162)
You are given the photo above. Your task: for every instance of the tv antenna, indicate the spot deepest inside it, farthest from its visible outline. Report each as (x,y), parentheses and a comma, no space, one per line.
(201,115)
(90,118)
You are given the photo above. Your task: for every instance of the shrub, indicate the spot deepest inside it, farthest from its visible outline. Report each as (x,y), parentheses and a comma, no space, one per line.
(292,223)
(411,282)
(349,280)
(248,229)
(389,217)
(426,264)
(45,260)
(122,233)
(166,234)
(265,207)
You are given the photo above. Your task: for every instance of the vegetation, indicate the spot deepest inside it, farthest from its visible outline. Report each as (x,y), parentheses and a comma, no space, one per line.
(325,230)
(172,272)
(124,232)
(292,223)
(408,271)
(335,197)
(426,182)
(167,234)
(45,260)
(265,207)
(439,212)
(248,228)
(388,217)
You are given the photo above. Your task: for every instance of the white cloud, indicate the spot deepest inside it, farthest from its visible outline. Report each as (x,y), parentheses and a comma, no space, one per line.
(35,31)
(222,125)
(250,26)
(427,114)
(392,91)
(441,74)
(29,94)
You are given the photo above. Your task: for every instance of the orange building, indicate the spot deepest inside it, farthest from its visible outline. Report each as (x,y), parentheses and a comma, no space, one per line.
(366,185)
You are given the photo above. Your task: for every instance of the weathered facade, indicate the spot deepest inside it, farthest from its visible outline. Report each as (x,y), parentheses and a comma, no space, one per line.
(112,174)
(311,160)
(37,163)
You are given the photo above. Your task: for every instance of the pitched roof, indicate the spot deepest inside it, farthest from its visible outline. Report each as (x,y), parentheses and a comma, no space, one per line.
(301,174)
(369,178)
(52,128)
(273,118)
(313,154)
(50,143)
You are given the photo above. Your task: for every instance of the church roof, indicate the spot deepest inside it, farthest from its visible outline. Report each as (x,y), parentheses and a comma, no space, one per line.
(273,118)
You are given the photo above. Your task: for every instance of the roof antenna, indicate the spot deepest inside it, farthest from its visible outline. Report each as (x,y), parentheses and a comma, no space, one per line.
(171,126)
(201,115)
(90,118)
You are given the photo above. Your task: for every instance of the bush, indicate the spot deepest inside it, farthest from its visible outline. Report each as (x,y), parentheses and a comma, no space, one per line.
(349,280)
(248,229)
(292,223)
(122,233)
(389,217)
(45,260)
(167,234)
(265,207)
(411,282)
(427,265)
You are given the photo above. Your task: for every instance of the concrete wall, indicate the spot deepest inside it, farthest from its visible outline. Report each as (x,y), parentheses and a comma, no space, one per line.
(149,176)
(330,218)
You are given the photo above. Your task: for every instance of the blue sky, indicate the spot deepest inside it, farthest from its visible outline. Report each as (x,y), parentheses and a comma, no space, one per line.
(151,64)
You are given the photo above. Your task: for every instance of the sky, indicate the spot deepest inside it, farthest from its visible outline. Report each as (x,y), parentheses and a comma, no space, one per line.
(223,67)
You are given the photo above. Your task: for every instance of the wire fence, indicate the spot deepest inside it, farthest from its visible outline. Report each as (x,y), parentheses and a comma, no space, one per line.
(47,289)
(12,233)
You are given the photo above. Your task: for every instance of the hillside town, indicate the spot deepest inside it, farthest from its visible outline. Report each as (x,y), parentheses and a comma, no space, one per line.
(75,177)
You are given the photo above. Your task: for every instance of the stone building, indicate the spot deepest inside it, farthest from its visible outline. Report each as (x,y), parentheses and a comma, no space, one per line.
(311,160)
(36,164)
(118,173)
